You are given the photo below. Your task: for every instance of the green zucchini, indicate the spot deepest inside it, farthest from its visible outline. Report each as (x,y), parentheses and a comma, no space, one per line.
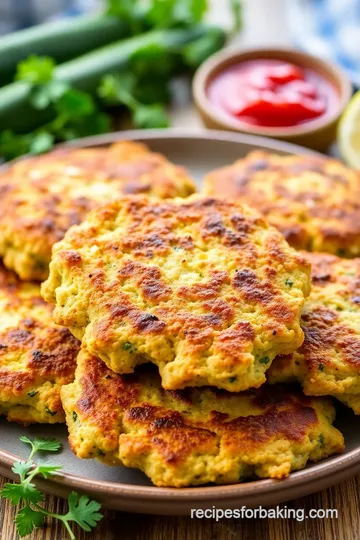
(62,40)
(85,72)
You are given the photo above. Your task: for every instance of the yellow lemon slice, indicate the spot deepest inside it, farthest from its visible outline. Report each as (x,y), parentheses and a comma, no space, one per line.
(349,132)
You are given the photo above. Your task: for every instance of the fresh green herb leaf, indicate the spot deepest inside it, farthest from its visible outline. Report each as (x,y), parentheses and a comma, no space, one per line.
(156,90)
(150,116)
(35,69)
(49,411)
(41,142)
(161,13)
(264,360)
(153,59)
(40,97)
(119,89)
(48,470)
(42,445)
(130,11)
(232,379)
(83,511)
(27,520)
(45,94)
(74,416)
(321,367)
(13,145)
(190,11)
(289,282)
(25,492)
(22,468)
(33,393)
(74,103)
(93,124)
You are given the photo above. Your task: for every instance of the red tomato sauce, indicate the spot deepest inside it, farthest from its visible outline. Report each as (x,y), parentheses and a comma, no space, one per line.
(272,93)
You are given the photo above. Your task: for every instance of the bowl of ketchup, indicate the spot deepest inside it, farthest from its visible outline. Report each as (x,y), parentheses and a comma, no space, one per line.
(285,94)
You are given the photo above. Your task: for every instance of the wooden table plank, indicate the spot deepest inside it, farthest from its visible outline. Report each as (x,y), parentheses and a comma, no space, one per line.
(124,526)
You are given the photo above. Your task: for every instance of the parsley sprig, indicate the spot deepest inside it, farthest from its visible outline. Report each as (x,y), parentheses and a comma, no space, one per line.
(141,84)
(31,515)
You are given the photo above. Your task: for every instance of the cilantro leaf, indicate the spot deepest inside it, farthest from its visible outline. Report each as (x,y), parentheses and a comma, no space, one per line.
(75,103)
(118,89)
(150,116)
(157,13)
(22,468)
(190,11)
(42,445)
(41,142)
(197,9)
(27,520)
(130,11)
(13,145)
(41,96)
(161,13)
(36,69)
(153,59)
(83,511)
(92,124)
(48,469)
(152,91)
(25,491)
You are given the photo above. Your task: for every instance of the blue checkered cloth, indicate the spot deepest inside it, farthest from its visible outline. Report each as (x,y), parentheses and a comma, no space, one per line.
(18,14)
(329,29)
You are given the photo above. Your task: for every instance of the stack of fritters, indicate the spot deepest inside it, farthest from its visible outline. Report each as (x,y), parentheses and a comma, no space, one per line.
(40,199)
(210,294)
(185,306)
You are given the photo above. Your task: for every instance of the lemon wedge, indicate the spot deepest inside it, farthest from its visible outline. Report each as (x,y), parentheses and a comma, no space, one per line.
(349,132)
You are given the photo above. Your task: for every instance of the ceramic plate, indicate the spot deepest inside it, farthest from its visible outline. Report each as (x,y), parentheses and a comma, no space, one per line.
(128,489)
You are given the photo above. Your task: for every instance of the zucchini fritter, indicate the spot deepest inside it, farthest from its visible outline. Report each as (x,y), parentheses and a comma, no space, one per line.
(328,363)
(43,196)
(36,355)
(194,436)
(314,202)
(203,288)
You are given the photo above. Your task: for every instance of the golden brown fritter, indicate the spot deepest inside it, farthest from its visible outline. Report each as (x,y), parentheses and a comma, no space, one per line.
(36,355)
(328,363)
(43,196)
(314,202)
(194,436)
(203,288)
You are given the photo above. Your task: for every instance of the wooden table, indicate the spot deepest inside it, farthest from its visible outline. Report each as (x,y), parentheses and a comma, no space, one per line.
(121,526)
(265,24)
